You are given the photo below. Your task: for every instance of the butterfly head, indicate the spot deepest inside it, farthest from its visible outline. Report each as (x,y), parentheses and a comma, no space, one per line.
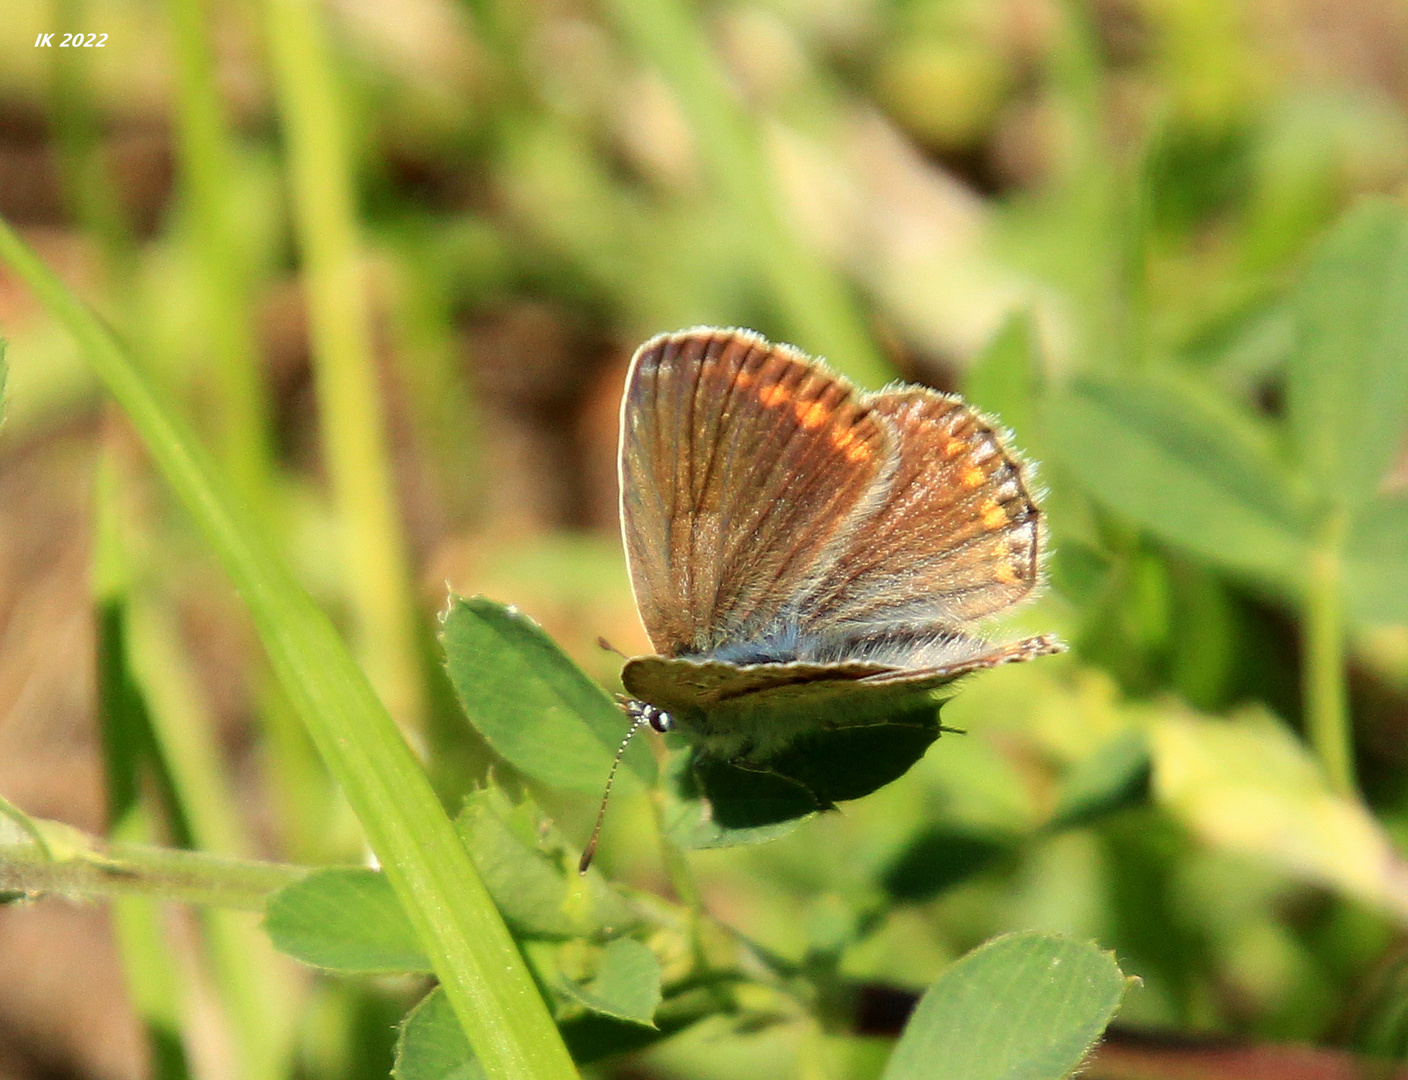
(642,712)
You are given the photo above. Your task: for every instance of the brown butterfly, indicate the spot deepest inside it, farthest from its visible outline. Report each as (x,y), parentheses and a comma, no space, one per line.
(805,555)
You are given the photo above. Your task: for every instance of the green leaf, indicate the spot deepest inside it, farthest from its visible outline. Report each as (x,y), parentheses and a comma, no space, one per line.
(939,857)
(1022,1007)
(1347,380)
(627,984)
(532,875)
(531,703)
(690,825)
(737,803)
(1376,562)
(1166,455)
(432,1046)
(345,919)
(746,797)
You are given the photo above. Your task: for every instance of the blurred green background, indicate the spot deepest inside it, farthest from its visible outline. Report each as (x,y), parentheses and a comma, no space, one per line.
(393,257)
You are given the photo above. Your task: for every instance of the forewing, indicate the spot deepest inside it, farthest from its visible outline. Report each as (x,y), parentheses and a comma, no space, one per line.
(957,535)
(742,466)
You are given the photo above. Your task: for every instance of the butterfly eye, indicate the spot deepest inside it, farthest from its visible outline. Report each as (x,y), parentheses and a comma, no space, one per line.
(658,719)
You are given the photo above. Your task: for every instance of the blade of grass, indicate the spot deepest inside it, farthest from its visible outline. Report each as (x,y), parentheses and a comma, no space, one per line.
(351,420)
(206,163)
(813,302)
(251,977)
(477,961)
(150,971)
(89,191)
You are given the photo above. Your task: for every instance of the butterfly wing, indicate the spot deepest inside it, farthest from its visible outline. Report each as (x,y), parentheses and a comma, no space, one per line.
(681,685)
(956,535)
(753,711)
(979,656)
(743,466)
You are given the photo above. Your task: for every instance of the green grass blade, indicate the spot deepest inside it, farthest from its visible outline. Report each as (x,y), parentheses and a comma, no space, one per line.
(206,165)
(477,961)
(253,981)
(154,984)
(349,406)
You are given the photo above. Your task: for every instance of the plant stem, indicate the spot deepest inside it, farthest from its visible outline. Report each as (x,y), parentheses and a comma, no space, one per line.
(1324,694)
(82,867)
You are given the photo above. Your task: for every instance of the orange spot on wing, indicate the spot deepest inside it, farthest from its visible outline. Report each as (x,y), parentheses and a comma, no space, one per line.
(972,477)
(813,415)
(773,395)
(743,380)
(842,438)
(1005,575)
(953,447)
(994,517)
(857,451)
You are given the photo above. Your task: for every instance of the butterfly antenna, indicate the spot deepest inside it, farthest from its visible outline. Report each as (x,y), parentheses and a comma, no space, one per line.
(590,849)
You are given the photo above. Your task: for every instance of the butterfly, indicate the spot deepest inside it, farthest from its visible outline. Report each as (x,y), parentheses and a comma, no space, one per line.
(805,556)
